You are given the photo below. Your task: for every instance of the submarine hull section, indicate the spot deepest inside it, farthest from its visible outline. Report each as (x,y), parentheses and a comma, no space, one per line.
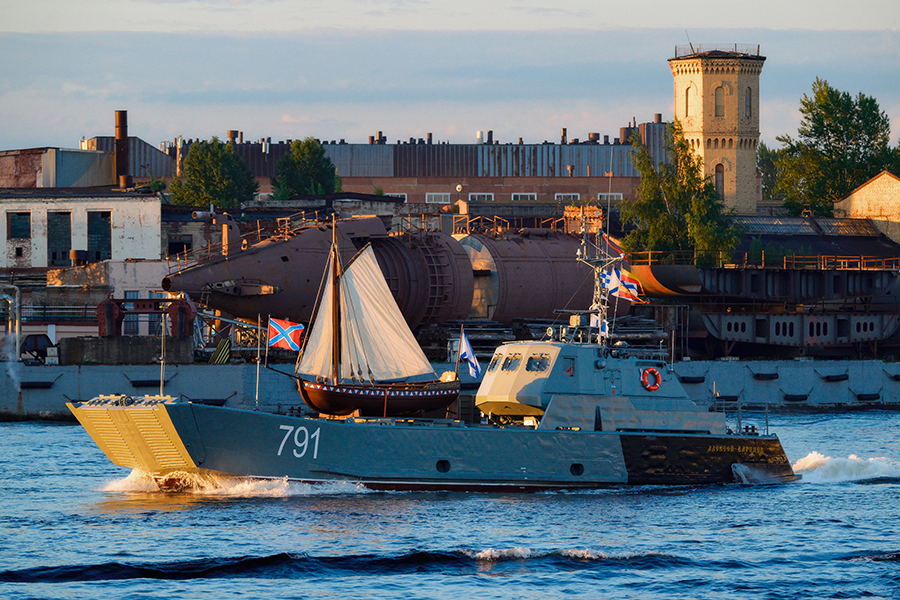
(527,276)
(428,273)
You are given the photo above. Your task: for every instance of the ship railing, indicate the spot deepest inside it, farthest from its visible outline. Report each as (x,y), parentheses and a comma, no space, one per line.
(762,259)
(285,227)
(654,353)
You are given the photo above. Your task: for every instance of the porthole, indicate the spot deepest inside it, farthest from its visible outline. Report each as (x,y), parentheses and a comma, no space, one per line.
(442,466)
(576,469)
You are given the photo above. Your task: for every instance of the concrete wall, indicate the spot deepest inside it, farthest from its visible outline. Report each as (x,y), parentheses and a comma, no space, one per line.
(135,226)
(124,350)
(40,392)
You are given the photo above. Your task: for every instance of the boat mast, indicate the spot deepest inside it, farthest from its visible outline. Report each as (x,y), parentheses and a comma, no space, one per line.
(335,306)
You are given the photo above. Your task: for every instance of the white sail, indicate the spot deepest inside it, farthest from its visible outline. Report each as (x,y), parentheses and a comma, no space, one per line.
(317,354)
(376,343)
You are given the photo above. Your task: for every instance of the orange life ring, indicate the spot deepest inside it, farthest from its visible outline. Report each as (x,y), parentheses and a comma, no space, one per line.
(645,379)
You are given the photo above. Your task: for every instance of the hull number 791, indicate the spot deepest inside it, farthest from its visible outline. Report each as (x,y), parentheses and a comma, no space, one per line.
(302,438)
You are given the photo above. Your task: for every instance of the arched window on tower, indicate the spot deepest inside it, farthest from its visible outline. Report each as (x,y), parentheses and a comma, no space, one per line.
(748,103)
(720,180)
(720,101)
(687,102)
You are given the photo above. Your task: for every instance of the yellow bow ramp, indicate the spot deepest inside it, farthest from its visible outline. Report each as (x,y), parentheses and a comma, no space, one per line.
(138,434)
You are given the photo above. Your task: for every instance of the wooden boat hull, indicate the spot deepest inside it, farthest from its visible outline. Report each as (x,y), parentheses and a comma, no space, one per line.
(385,400)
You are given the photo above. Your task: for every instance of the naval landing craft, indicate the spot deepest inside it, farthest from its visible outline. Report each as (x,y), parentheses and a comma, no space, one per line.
(561,414)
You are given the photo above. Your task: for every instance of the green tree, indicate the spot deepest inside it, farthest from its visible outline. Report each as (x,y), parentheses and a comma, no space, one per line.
(214,174)
(677,208)
(305,170)
(766,166)
(842,142)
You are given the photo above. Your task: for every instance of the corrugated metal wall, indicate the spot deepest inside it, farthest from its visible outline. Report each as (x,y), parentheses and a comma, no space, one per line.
(361,160)
(144,160)
(488,160)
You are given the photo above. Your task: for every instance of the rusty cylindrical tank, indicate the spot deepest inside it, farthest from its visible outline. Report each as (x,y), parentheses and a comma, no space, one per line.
(530,274)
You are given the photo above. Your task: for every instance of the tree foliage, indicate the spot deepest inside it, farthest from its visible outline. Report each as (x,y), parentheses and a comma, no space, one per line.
(305,170)
(214,174)
(677,208)
(842,142)
(767,169)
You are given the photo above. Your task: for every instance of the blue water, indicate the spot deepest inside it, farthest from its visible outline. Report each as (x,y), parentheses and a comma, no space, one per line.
(72,525)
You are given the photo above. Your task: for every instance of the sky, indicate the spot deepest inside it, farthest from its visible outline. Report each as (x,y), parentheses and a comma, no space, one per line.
(347,69)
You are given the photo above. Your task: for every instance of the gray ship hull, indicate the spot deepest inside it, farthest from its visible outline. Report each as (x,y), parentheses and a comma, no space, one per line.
(171,440)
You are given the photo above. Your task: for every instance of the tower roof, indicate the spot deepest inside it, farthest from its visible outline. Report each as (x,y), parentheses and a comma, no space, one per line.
(746,51)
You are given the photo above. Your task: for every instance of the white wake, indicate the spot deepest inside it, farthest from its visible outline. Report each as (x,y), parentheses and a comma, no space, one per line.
(224,487)
(817,468)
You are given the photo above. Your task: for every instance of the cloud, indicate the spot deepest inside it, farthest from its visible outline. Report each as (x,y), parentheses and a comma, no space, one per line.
(350,84)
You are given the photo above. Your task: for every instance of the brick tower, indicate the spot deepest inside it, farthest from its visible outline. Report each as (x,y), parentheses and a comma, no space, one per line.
(717,103)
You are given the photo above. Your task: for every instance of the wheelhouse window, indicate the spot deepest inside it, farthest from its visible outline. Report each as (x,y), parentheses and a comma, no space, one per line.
(511,362)
(538,362)
(495,362)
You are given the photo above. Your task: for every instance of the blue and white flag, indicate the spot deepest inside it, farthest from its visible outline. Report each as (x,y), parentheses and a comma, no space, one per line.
(466,353)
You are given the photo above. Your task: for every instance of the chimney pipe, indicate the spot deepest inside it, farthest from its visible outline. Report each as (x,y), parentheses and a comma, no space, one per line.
(123,178)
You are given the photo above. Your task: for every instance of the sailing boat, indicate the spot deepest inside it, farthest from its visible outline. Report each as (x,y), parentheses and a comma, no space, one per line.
(360,353)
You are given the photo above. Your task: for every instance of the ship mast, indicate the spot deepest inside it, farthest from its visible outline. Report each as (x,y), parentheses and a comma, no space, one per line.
(335,306)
